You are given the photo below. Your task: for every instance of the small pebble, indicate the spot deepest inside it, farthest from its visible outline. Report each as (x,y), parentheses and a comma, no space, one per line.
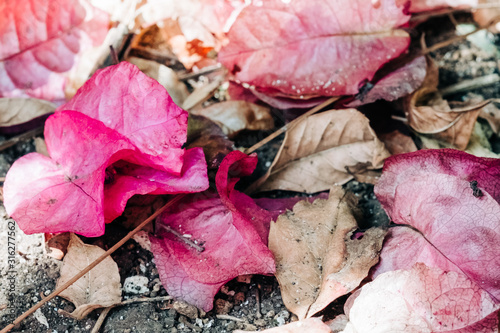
(136,285)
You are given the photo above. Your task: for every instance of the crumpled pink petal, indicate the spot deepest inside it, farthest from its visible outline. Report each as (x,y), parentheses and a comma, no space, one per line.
(137,107)
(131,179)
(458,223)
(420,300)
(86,154)
(231,228)
(40,40)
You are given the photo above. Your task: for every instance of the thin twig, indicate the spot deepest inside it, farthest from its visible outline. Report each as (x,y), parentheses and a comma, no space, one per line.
(228,317)
(92,265)
(100,320)
(257,302)
(22,137)
(203,71)
(467,85)
(291,125)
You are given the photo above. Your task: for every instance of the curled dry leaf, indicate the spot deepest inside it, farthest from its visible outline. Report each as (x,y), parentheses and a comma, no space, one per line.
(451,201)
(165,76)
(323,47)
(421,300)
(429,113)
(21,114)
(492,115)
(40,40)
(317,257)
(317,151)
(235,116)
(315,325)
(99,288)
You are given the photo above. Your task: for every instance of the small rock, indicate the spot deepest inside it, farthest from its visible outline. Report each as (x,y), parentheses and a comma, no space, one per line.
(136,285)
(260,322)
(270,314)
(282,317)
(222,306)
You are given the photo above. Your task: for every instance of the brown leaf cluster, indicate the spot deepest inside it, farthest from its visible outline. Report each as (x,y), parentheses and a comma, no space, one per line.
(428,113)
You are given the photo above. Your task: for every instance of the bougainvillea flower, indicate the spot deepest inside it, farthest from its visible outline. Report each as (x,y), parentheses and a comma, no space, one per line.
(42,39)
(228,228)
(450,199)
(98,163)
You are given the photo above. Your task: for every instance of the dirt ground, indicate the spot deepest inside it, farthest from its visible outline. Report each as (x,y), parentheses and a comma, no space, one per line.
(249,305)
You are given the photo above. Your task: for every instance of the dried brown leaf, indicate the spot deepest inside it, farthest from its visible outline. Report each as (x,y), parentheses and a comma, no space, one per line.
(398,143)
(235,116)
(316,152)
(57,245)
(14,112)
(316,259)
(492,115)
(98,288)
(428,113)
(202,132)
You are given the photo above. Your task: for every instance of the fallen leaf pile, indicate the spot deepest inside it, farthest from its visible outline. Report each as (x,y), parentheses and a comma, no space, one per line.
(173,112)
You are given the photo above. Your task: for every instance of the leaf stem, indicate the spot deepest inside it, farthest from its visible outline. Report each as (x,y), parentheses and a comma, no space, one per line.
(92,265)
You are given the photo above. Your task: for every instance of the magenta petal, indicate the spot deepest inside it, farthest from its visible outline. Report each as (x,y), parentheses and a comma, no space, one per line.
(137,107)
(132,179)
(431,191)
(82,145)
(398,168)
(227,252)
(231,228)
(41,198)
